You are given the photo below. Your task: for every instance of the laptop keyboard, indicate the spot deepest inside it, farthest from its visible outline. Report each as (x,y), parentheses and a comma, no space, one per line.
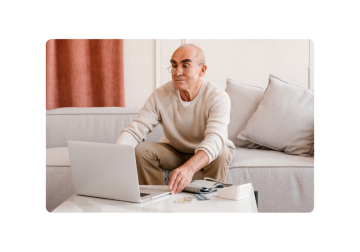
(144,194)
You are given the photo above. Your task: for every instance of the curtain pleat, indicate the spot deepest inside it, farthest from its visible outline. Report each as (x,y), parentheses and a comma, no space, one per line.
(85,73)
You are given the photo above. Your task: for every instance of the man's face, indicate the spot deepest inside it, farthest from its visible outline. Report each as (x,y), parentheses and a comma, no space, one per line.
(185,58)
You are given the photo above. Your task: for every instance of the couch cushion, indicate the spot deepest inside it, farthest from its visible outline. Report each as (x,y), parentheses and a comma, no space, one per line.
(285,182)
(281,189)
(59,186)
(102,125)
(268,159)
(284,119)
(57,157)
(244,101)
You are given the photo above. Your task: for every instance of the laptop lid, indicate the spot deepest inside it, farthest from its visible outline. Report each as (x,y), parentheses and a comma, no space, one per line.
(104,170)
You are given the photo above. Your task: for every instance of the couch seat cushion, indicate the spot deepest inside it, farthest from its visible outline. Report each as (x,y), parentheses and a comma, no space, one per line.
(285,183)
(57,157)
(268,158)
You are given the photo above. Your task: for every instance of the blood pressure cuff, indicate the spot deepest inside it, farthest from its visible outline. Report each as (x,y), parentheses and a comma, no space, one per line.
(208,185)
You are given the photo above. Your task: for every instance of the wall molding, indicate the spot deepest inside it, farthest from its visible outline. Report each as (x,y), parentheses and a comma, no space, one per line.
(309,65)
(184,41)
(158,60)
(157,68)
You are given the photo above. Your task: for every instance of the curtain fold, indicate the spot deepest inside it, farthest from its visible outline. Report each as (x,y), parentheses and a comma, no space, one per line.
(85,73)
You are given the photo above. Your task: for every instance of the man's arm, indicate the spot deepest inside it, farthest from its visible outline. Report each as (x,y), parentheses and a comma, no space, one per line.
(183,175)
(137,131)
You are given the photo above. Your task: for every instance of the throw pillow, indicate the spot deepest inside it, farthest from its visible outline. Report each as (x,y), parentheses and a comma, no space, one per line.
(244,101)
(284,119)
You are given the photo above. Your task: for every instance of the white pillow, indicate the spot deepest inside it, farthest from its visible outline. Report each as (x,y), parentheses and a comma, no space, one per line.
(284,119)
(244,101)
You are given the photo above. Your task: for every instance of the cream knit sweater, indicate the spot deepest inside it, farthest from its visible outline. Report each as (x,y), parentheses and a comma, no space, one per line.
(203,125)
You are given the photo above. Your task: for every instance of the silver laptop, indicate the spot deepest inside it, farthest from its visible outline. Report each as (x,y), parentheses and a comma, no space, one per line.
(107,171)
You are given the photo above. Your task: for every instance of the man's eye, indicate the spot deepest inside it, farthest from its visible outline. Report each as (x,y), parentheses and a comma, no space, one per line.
(185,66)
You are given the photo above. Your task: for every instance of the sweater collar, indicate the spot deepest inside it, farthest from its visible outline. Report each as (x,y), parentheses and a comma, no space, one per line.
(196,98)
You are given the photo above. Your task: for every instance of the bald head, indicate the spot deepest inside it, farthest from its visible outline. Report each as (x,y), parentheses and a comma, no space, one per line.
(200,55)
(187,68)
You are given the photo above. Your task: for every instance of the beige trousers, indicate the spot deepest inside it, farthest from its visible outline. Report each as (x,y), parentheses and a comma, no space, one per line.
(152,157)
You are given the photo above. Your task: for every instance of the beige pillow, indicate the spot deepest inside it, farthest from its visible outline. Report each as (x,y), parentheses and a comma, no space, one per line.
(244,101)
(284,119)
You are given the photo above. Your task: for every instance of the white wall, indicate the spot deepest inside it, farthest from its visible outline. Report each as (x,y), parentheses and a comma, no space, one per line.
(311,66)
(246,61)
(139,71)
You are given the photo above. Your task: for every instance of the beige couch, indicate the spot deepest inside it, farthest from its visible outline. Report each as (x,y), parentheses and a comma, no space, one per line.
(285,182)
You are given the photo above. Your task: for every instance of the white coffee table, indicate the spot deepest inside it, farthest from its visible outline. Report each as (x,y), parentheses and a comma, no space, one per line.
(164,204)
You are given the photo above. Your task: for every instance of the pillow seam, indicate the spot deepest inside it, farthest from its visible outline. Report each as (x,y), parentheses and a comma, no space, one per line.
(272,76)
(308,155)
(241,84)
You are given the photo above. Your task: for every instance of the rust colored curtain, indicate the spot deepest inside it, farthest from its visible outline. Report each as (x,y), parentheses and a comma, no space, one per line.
(85,73)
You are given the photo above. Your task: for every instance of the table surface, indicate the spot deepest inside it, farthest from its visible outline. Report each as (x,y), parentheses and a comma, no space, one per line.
(164,204)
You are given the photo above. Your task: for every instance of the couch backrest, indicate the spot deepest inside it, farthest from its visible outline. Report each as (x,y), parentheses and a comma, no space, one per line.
(102,125)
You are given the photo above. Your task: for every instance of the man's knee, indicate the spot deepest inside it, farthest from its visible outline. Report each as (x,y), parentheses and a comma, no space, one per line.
(224,157)
(148,151)
(142,148)
(144,154)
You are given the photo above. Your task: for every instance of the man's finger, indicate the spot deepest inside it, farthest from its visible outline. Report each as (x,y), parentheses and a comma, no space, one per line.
(181,184)
(172,179)
(176,185)
(184,185)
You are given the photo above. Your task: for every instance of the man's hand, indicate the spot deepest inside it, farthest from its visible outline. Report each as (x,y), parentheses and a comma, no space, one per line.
(180,178)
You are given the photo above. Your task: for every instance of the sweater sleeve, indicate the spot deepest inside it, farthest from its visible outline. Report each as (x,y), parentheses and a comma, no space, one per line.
(137,131)
(216,132)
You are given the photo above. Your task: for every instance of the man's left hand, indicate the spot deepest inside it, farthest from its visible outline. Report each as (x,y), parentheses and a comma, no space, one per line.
(180,178)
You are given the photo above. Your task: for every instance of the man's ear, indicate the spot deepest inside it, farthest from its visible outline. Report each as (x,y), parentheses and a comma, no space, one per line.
(203,70)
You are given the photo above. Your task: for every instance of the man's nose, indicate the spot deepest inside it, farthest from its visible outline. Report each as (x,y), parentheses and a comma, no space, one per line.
(178,71)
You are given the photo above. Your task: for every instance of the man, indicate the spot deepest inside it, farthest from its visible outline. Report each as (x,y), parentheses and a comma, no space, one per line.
(194,114)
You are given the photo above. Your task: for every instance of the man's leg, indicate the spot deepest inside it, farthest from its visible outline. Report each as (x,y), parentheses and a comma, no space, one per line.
(218,168)
(152,157)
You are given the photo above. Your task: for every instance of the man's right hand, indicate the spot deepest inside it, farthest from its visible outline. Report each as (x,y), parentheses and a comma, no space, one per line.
(180,178)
